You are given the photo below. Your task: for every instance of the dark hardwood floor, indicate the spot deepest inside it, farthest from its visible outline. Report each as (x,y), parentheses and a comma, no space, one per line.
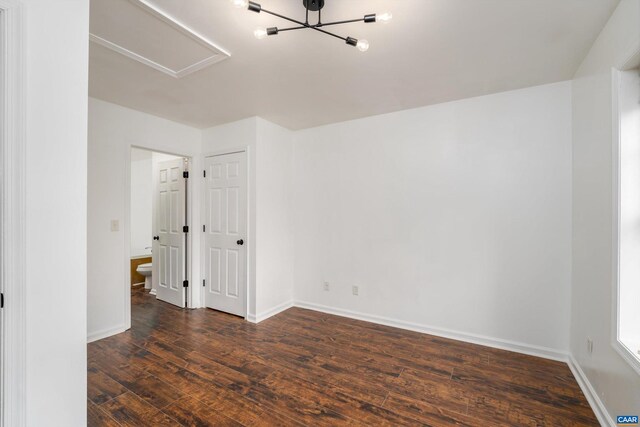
(201,367)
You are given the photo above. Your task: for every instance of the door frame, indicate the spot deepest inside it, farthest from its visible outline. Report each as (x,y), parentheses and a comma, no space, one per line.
(126,228)
(250,239)
(13,246)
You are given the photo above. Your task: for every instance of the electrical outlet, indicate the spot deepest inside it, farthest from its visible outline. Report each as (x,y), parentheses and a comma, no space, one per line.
(354,289)
(589,345)
(326,286)
(115,225)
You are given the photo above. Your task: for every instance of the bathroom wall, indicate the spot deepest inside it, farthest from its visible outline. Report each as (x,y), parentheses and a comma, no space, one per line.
(137,278)
(141,203)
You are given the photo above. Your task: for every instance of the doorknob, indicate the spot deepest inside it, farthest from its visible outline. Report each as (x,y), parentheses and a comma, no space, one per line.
(156,237)
(240,242)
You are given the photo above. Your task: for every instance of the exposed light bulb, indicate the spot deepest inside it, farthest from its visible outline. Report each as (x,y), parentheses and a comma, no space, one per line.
(240,3)
(384,17)
(363,45)
(260,33)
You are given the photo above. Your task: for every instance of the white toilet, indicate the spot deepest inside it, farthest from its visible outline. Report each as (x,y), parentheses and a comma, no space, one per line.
(145,270)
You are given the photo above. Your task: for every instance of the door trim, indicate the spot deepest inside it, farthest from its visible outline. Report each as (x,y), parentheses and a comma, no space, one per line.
(13,246)
(126,227)
(250,244)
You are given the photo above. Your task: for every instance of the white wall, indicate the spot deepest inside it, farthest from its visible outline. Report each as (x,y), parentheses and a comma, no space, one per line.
(57,32)
(141,204)
(455,216)
(630,209)
(113,130)
(617,385)
(274,237)
(233,136)
(270,240)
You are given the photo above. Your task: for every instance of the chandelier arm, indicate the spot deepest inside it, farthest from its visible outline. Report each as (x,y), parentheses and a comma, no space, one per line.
(303,24)
(292,28)
(348,21)
(285,18)
(329,34)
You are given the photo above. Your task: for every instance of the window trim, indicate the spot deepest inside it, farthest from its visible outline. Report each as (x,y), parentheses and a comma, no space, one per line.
(625,352)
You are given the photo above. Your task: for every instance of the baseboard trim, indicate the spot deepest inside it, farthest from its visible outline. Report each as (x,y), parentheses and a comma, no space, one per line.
(590,393)
(105,333)
(532,350)
(264,315)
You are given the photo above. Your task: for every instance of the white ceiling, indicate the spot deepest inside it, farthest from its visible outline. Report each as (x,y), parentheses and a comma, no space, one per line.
(432,51)
(146,34)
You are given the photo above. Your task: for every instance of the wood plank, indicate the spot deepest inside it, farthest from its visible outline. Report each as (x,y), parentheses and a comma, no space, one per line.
(130,410)
(97,417)
(298,407)
(192,412)
(202,367)
(154,391)
(100,386)
(427,413)
(334,399)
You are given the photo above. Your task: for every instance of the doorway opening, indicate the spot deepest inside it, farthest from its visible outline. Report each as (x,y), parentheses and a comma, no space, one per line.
(158,225)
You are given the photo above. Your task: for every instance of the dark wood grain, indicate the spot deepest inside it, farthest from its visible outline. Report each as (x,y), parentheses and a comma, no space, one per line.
(193,412)
(201,367)
(98,417)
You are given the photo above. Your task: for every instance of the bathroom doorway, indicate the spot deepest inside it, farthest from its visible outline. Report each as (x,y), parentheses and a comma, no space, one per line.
(158,228)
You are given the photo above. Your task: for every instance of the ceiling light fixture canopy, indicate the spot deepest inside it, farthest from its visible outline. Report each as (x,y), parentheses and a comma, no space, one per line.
(312,6)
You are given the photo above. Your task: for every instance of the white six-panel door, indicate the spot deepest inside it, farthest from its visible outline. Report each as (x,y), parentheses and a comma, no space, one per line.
(225,235)
(169,250)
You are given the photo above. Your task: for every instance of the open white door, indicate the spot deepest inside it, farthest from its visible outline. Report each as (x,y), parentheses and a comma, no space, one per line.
(225,233)
(170,239)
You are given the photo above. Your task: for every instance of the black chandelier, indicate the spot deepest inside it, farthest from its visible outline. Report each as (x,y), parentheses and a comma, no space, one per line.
(312,6)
